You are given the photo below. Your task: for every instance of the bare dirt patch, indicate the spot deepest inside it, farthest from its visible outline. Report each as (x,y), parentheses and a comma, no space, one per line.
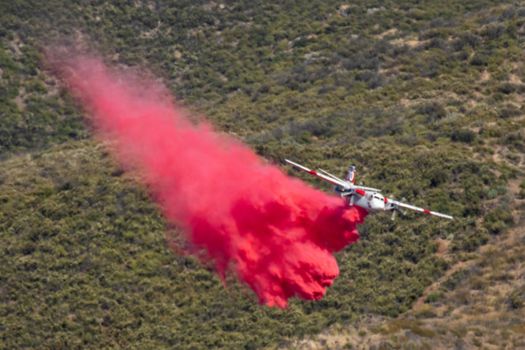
(485,76)
(514,79)
(410,42)
(390,32)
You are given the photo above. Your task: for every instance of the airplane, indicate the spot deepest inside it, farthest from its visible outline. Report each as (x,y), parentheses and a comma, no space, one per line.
(368,198)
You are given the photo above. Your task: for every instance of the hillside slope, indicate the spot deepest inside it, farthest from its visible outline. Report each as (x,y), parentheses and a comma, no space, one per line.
(477,303)
(425,97)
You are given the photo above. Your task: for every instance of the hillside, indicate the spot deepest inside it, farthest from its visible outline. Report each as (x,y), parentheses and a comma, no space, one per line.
(425,97)
(477,303)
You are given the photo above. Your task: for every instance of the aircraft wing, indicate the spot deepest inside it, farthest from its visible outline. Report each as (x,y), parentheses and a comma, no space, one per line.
(421,210)
(367,188)
(328,174)
(326,177)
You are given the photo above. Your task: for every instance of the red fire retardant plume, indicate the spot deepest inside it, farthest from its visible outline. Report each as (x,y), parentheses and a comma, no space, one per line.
(276,233)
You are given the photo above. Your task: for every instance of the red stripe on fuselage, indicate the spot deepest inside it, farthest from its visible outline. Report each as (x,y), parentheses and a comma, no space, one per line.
(360,192)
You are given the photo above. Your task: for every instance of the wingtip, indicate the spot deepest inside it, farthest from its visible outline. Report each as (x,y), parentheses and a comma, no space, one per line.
(292,162)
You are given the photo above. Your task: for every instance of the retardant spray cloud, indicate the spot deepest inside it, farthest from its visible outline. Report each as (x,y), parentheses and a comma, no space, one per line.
(274,232)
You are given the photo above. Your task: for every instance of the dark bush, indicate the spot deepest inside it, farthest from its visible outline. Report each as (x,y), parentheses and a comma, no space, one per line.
(517,298)
(479,59)
(438,176)
(508,111)
(509,13)
(515,140)
(494,31)
(466,39)
(365,75)
(497,220)
(433,111)
(436,43)
(507,88)
(464,135)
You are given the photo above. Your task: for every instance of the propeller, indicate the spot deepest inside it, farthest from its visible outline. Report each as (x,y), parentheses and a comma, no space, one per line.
(346,193)
(350,194)
(398,209)
(402,211)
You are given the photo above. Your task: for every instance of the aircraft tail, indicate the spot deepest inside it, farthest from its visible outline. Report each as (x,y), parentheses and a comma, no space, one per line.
(351,174)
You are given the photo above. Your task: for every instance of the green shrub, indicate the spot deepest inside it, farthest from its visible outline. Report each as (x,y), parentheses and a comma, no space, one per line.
(497,220)
(516,299)
(433,297)
(463,135)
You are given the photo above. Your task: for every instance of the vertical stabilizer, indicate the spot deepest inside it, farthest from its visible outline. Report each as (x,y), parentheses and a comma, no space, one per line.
(351,174)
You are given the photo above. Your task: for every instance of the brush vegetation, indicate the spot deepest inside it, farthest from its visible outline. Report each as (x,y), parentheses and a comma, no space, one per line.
(425,97)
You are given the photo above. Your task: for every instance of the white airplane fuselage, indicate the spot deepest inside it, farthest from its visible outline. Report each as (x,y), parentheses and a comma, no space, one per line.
(369,200)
